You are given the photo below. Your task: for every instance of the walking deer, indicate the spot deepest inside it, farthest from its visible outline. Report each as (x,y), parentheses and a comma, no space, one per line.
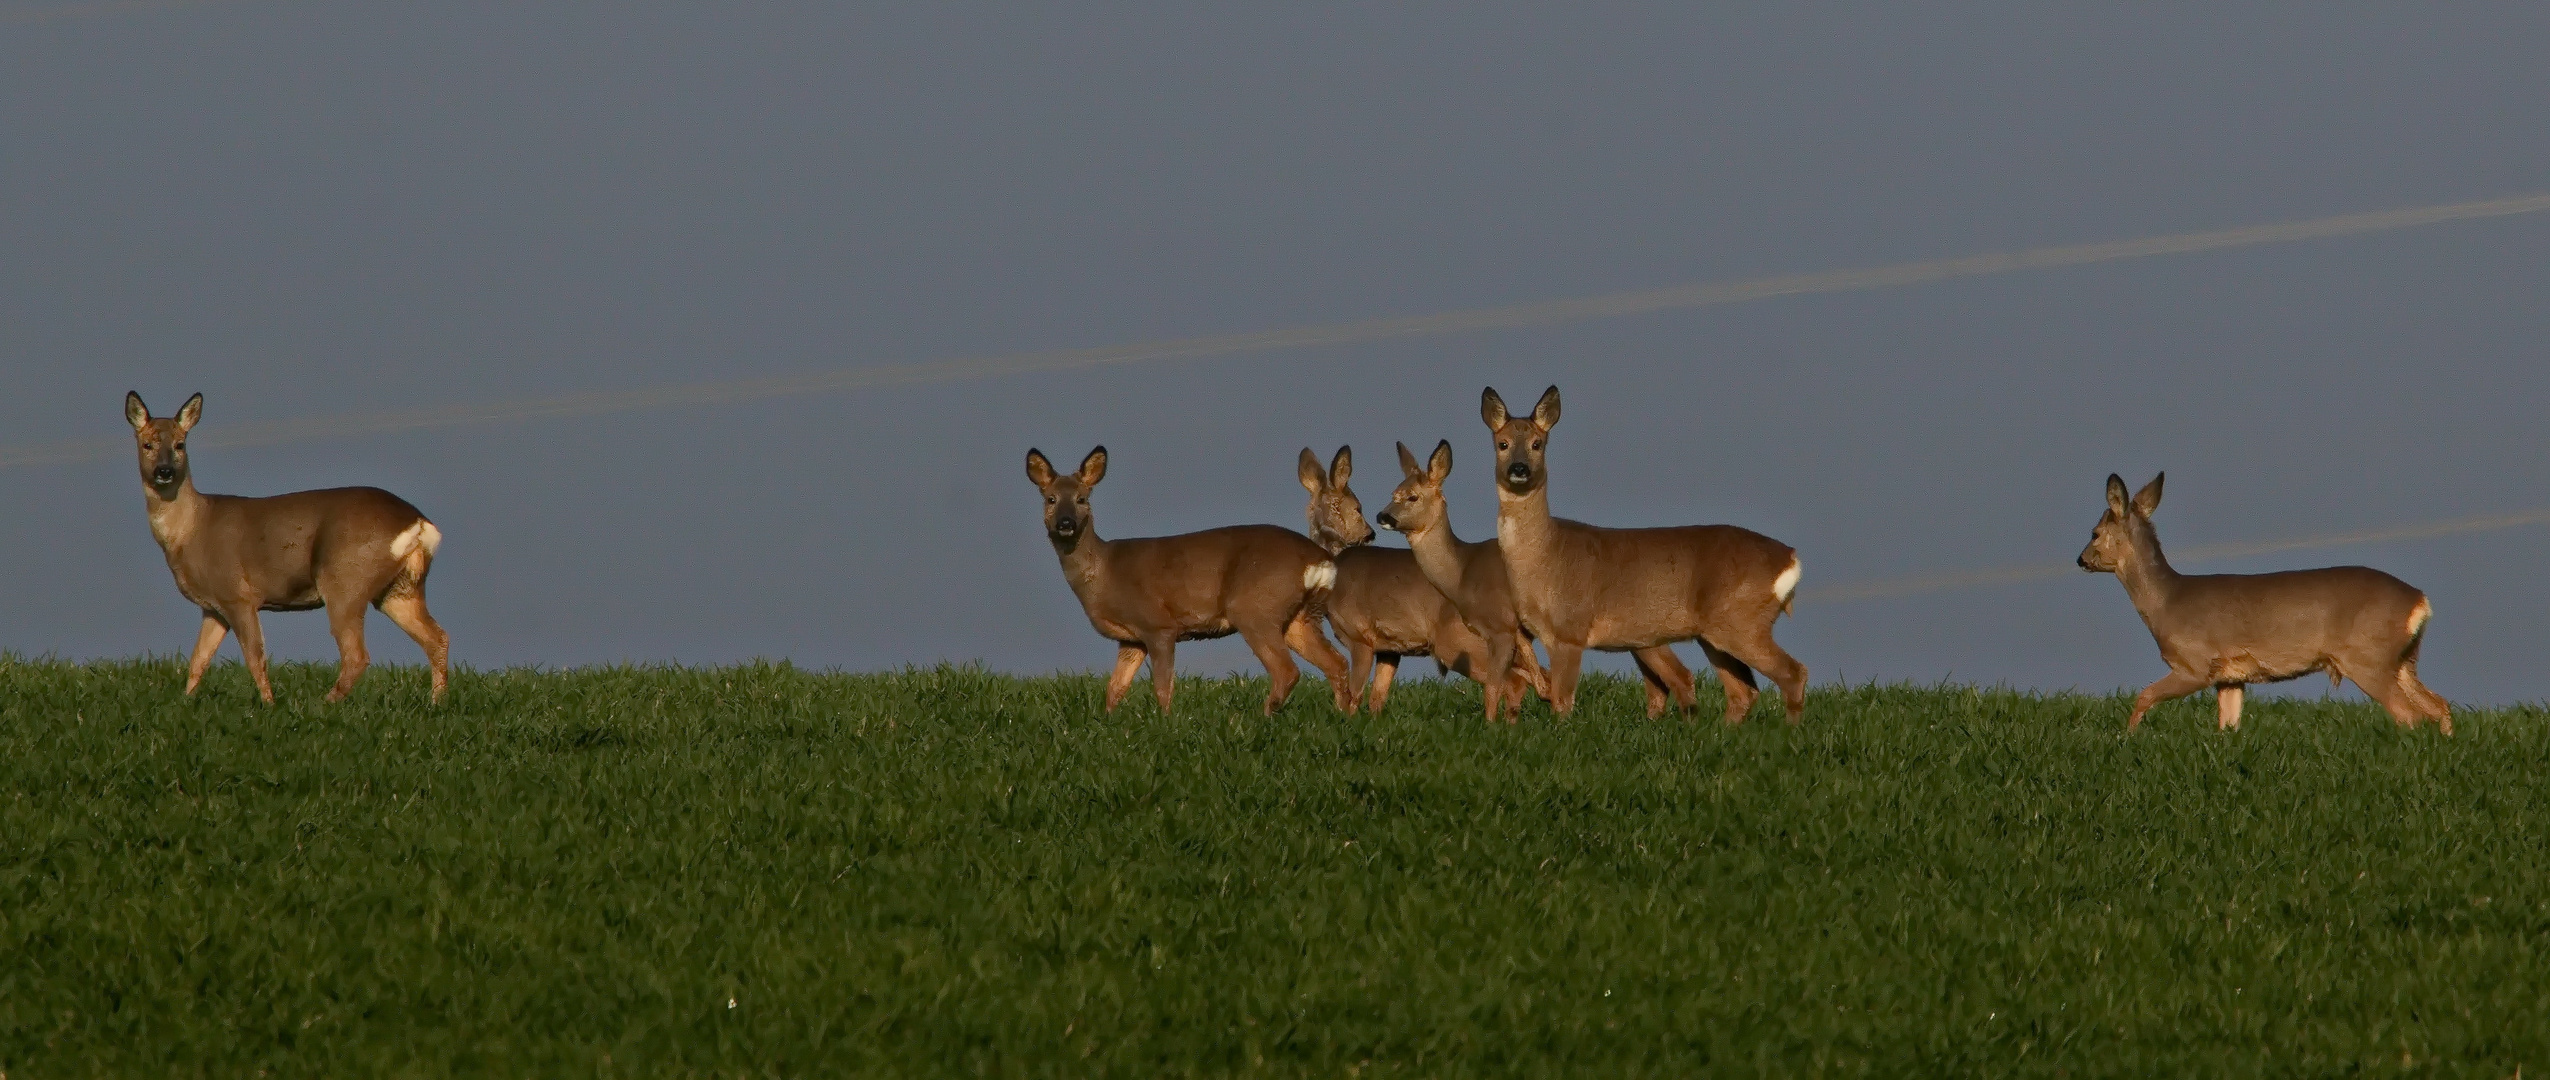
(1580,586)
(2229,630)
(1384,607)
(1473,577)
(338,548)
(1147,594)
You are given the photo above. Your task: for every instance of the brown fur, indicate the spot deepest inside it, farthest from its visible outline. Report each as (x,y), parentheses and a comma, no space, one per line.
(1580,586)
(2229,630)
(1383,607)
(1148,594)
(234,557)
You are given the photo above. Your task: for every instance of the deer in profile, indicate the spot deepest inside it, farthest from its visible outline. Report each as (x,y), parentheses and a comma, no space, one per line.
(1473,577)
(1579,586)
(1261,582)
(337,548)
(1384,607)
(2229,630)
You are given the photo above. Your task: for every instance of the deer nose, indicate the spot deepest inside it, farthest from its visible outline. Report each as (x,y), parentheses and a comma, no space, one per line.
(1384,520)
(1519,471)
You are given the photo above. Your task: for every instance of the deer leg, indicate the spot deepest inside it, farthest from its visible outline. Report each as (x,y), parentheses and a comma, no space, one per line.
(2227,700)
(1736,678)
(1500,681)
(2428,701)
(1281,672)
(1528,664)
(1385,670)
(1128,664)
(1755,647)
(407,609)
(1565,663)
(1164,669)
(207,641)
(1666,676)
(252,648)
(1302,636)
(1358,679)
(345,623)
(2171,687)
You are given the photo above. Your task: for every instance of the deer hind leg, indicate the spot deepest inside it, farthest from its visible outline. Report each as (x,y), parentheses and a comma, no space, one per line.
(207,642)
(407,609)
(1302,636)
(345,623)
(2428,702)
(1736,678)
(1128,665)
(1528,665)
(1281,672)
(1755,646)
(1667,680)
(2171,687)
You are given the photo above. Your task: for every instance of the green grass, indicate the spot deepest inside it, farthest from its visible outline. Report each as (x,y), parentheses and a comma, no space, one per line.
(768,871)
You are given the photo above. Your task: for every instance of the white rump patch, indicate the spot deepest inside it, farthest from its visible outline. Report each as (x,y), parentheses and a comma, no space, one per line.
(1320,575)
(1785,585)
(2417,617)
(423,534)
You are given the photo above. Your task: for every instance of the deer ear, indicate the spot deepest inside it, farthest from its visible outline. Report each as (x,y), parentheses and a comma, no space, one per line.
(2116,495)
(1408,462)
(1440,465)
(135,413)
(1341,468)
(2148,499)
(1313,479)
(1492,409)
(1545,414)
(190,412)
(1093,468)
(1040,472)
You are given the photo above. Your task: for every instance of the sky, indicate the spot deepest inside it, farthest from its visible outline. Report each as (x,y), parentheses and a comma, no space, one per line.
(311,209)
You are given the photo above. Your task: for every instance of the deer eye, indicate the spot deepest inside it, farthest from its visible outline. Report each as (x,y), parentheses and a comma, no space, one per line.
(1504,445)
(181,444)
(1536,444)
(1049,500)
(150,446)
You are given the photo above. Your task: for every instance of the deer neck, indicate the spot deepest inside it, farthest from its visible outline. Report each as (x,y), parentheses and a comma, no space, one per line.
(1523,525)
(1084,563)
(2148,578)
(1438,554)
(175,520)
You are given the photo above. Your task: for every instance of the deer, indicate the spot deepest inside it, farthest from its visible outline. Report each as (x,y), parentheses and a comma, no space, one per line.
(234,556)
(1579,586)
(1473,577)
(2229,630)
(1146,594)
(1385,608)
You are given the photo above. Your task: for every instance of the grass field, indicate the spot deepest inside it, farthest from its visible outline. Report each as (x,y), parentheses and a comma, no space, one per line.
(769,871)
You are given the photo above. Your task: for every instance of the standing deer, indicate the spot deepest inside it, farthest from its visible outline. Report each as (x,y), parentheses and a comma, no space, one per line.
(338,548)
(1385,608)
(1473,577)
(1580,586)
(1147,594)
(2229,630)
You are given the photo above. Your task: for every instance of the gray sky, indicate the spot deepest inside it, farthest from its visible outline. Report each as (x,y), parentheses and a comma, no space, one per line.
(312,209)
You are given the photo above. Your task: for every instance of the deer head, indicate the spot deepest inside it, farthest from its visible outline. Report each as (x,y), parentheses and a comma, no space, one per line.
(2125,531)
(1067,515)
(1336,515)
(1521,442)
(1416,505)
(161,443)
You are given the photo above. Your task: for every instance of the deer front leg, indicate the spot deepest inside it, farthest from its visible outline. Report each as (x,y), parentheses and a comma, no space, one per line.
(2227,700)
(2171,687)
(1565,663)
(1164,669)
(1385,670)
(252,646)
(207,642)
(1128,664)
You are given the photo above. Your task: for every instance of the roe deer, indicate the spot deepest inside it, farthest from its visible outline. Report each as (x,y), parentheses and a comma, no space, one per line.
(338,548)
(2229,630)
(1383,607)
(1579,586)
(1473,576)
(1147,594)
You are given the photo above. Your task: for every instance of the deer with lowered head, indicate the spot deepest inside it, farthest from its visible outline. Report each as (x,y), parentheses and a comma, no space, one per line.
(1579,586)
(1473,577)
(337,548)
(1385,607)
(2229,630)
(1261,582)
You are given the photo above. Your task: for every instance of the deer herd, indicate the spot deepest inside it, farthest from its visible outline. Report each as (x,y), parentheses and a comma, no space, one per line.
(1476,607)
